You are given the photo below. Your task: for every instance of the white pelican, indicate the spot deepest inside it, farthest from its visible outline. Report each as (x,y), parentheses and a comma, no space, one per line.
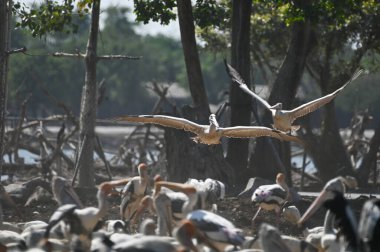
(369,226)
(271,197)
(133,192)
(64,193)
(283,119)
(339,211)
(82,221)
(211,229)
(210,134)
(210,191)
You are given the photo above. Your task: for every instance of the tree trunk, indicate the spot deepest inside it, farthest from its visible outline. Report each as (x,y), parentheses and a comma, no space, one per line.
(187,159)
(5,13)
(369,159)
(193,65)
(89,105)
(237,151)
(264,161)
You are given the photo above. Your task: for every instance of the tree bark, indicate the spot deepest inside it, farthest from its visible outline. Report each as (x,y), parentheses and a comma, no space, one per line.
(193,66)
(89,104)
(5,14)
(284,89)
(187,159)
(237,151)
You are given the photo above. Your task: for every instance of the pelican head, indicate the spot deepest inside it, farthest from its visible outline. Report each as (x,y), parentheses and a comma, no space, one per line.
(142,169)
(184,234)
(213,120)
(330,190)
(277,106)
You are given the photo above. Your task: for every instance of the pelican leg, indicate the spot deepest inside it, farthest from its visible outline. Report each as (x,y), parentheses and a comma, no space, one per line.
(254,217)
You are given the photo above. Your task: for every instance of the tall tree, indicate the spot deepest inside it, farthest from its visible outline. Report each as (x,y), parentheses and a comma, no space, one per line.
(190,51)
(240,102)
(5,10)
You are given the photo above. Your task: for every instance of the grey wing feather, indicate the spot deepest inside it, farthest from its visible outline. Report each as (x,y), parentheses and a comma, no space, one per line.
(317,103)
(167,121)
(257,131)
(235,76)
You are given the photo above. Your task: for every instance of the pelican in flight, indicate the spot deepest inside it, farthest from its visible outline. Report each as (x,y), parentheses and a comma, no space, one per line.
(283,119)
(210,134)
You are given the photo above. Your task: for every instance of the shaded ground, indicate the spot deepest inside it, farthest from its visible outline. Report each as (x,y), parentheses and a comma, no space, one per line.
(240,212)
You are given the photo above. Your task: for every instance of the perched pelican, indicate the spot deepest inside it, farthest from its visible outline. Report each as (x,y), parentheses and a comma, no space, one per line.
(209,228)
(82,221)
(210,191)
(271,197)
(210,134)
(133,192)
(283,119)
(270,239)
(64,193)
(331,197)
(369,226)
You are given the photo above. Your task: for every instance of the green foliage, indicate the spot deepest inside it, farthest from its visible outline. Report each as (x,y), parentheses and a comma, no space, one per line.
(162,61)
(50,16)
(155,10)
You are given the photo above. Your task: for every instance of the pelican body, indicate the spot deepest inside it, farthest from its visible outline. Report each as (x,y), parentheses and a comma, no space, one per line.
(271,197)
(212,133)
(211,229)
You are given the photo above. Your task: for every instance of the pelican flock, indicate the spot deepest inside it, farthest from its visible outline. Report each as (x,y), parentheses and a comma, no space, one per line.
(159,215)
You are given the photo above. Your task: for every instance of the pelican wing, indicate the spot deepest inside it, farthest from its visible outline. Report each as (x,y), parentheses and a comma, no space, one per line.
(317,103)
(167,121)
(258,131)
(235,77)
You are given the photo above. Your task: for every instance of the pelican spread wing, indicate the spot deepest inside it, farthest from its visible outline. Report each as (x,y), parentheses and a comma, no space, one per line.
(235,76)
(257,131)
(317,103)
(167,121)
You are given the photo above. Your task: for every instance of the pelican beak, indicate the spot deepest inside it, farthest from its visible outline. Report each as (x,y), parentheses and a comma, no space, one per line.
(317,203)
(184,234)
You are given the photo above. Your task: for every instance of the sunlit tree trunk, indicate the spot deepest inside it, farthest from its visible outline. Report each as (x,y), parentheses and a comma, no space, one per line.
(89,104)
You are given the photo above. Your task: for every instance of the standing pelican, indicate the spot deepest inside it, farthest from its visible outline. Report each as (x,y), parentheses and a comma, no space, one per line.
(82,221)
(64,193)
(332,198)
(133,192)
(271,197)
(283,119)
(210,134)
(369,226)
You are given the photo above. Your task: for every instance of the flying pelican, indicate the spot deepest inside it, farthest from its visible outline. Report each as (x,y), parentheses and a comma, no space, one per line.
(210,134)
(283,119)
(211,229)
(271,197)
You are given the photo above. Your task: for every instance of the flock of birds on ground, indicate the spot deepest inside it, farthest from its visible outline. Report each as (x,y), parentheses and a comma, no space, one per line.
(186,214)
(187,219)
